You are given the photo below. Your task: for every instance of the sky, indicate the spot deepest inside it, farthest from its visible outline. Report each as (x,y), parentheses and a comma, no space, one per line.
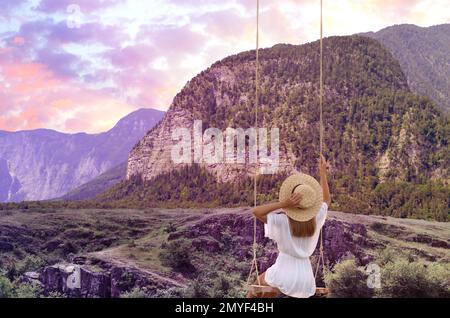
(81,65)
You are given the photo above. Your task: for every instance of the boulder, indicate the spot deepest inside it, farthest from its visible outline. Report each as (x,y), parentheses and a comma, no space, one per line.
(31,278)
(52,279)
(95,285)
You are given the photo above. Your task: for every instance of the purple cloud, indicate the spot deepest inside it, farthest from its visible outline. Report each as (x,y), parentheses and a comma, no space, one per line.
(173,41)
(131,56)
(86,6)
(226,23)
(86,33)
(61,63)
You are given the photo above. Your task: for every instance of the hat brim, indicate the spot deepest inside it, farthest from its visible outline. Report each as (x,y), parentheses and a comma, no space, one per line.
(296,213)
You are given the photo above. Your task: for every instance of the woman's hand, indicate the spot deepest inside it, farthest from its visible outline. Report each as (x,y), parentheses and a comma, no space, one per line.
(294,200)
(322,166)
(324,180)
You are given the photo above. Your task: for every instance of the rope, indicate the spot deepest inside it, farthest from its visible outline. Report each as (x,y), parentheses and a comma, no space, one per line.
(321,256)
(255,261)
(321,82)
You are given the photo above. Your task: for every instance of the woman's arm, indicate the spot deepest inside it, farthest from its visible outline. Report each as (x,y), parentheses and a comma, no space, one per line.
(261,211)
(324,180)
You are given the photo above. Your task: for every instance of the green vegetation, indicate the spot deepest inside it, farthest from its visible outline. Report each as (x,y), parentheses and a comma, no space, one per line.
(189,241)
(6,288)
(347,280)
(209,284)
(176,255)
(423,55)
(405,279)
(401,199)
(17,289)
(136,292)
(401,277)
(53,235)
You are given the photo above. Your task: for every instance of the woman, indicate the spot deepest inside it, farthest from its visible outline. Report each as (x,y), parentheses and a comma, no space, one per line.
(296,231)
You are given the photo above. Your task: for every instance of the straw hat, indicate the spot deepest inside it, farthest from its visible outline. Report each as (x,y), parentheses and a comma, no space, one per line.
(311,200)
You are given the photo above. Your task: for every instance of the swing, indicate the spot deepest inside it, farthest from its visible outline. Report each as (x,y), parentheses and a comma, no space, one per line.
(263,289)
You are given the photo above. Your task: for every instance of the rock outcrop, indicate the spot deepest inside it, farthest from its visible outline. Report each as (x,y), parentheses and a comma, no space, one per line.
(85,281)
(232,234)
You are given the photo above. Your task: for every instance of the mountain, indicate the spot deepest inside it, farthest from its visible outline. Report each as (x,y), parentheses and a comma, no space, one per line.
(97,185)
(42,164)
(424,55)
(387,147)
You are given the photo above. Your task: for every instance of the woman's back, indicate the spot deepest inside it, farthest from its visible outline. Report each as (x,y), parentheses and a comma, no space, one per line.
(292,272)
(277,228)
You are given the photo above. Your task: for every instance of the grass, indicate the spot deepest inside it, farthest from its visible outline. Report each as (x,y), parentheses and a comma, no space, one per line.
(88,230)
(134,238)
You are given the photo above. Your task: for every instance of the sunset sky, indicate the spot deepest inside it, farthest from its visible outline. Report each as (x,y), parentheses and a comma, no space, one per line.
(73,71)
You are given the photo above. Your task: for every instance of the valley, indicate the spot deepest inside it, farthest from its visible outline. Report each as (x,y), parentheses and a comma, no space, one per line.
(166,252)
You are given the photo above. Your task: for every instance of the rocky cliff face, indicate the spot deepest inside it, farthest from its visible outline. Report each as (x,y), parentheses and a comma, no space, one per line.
(43,164)
(368,111)
(84,281)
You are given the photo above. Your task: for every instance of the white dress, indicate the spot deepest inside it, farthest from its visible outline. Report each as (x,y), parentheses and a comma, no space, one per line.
(292,273)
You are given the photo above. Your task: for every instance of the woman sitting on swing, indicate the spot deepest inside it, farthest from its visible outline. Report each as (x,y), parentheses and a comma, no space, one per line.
(304,203)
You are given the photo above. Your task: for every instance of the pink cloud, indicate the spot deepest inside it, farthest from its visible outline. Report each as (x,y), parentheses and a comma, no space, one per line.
(32,96)
(47,81)
(18,40)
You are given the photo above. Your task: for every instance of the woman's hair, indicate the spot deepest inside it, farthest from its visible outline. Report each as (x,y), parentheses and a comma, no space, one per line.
(302,229)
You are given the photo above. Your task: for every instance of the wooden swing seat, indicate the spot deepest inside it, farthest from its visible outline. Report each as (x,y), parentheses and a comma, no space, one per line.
(258,289)
(321,291)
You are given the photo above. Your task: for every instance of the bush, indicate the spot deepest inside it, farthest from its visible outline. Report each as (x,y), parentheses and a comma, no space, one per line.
(404,279)
(439,274)
(387,255)
(173,292)
(136,292)
(198,289)
(55,294)
(69,248)
(27,290)
(377,226)
(170,228)
(176,255)
(6,288)
(30,263)
(347,281)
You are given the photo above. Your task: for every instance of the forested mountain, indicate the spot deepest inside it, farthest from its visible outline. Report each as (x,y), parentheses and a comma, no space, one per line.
(387,147)
(424,55)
